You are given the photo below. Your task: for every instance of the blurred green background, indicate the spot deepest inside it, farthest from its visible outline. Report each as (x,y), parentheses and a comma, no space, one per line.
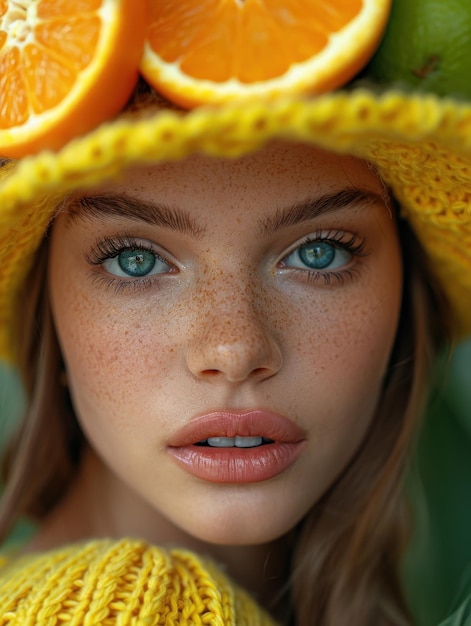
(440,486)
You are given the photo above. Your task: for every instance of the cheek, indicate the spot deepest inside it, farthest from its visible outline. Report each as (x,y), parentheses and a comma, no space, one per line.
(112,352)
(342,360)
(342,353)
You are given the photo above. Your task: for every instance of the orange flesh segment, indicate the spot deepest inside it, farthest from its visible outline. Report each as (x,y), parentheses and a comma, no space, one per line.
(59,8)
(74,46)
(12,110)
(201,38)
(58,51)
(37,64)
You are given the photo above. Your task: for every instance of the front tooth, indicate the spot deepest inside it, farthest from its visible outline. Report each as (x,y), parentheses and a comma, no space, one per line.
(248,442)
(221,442)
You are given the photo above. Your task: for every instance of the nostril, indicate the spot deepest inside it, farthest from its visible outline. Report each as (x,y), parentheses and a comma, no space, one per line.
(211,373)
(259,371)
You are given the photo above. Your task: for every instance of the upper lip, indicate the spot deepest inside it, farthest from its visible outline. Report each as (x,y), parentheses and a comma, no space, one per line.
(228,423)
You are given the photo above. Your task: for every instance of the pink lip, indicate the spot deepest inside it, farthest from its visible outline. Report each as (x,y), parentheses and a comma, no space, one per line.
(237,465)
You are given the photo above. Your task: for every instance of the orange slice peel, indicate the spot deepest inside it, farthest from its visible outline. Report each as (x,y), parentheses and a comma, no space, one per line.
(65,67)
(214,52)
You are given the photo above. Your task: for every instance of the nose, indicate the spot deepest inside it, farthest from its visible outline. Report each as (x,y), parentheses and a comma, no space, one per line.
(234,347)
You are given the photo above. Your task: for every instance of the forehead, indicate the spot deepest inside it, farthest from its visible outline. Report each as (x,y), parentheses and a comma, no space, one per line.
(279,173)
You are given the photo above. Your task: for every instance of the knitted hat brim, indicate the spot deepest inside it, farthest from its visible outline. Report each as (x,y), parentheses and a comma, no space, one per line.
(420,145)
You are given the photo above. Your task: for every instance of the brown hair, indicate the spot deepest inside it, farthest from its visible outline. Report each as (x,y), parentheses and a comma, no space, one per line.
(43,454)
(348,548)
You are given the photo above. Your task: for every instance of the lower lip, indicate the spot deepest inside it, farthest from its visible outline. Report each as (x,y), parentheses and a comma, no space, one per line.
(237,465)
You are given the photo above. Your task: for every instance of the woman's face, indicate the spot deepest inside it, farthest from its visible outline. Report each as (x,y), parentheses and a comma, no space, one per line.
(226,328)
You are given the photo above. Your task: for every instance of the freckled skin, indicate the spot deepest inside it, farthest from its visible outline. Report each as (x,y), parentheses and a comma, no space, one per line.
(227,330)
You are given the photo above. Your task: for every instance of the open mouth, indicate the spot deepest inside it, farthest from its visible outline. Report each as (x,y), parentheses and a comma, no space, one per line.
(234,442)
(227,446)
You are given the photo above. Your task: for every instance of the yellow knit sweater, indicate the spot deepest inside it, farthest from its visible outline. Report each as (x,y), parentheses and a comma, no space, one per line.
(121,583)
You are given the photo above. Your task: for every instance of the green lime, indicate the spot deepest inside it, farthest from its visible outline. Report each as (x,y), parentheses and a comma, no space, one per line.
(426,46)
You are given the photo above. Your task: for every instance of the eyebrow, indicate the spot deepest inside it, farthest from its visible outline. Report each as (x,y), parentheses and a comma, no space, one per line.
(128,207)
(312,208)
(173,218)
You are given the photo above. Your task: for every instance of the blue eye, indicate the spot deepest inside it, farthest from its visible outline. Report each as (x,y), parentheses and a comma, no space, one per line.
(318,255)
(135,263)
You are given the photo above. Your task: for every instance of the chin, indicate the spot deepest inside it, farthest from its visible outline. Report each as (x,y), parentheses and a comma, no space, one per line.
(234,528)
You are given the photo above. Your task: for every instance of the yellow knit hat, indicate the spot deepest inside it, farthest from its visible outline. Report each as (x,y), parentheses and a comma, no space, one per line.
(127,582)
(421,145)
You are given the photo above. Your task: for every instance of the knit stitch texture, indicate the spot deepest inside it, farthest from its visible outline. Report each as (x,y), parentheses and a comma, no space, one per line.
(421,146)
(121,583)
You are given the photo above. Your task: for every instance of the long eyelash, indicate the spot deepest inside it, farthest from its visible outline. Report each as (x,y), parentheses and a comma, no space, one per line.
(353,244)
(314,276)
(108,248)
(120,285)
(339,239)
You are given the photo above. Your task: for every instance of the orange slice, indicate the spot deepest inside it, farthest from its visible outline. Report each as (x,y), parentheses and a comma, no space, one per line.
(200,51)
(65,66)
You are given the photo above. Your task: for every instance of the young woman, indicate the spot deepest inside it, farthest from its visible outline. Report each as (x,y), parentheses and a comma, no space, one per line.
(225,329)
